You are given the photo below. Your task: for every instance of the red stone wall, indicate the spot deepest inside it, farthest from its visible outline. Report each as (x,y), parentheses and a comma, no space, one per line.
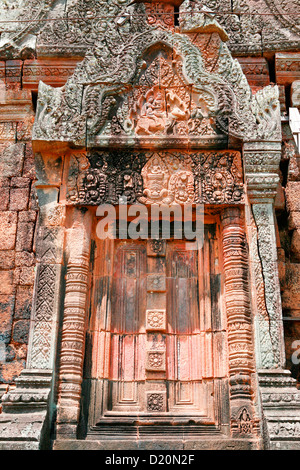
(18,205)
(18,215)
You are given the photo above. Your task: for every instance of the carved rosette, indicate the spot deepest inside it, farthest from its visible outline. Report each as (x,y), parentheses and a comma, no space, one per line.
(156,402)
(261,169)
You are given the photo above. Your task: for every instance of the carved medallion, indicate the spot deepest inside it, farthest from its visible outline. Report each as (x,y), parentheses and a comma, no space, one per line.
(156,401)
(156,320)
(156,361)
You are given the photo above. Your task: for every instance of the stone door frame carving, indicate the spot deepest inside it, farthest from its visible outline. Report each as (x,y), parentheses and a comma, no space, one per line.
(252,123)
(213,415)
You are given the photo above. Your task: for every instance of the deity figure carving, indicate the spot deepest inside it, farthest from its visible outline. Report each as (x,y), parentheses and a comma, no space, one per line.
(155,175)
(181,187)
(167,181)
(153,115)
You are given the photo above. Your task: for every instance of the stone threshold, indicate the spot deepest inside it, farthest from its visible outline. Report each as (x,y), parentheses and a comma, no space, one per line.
(202,443)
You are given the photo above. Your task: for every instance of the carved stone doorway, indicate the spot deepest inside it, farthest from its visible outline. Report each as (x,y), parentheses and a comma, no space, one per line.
(156,339)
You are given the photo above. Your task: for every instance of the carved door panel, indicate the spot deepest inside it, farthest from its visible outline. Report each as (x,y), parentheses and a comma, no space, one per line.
(159,315)
(184,337)
(128,307)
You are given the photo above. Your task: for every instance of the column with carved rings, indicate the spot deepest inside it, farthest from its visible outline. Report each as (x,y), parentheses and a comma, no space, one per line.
(239,327)
(74,321)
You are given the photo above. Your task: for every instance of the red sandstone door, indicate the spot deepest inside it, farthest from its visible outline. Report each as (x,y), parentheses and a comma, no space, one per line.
(155,359)
(160,340)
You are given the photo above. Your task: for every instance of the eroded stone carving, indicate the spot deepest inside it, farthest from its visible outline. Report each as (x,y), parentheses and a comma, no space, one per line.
(133,94)
(156,402)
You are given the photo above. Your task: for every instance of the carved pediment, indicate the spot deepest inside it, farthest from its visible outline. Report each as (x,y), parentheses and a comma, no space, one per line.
(157,88)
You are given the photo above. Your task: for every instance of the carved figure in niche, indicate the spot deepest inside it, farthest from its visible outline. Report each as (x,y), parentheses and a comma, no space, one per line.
(95,181)
(153,114)
(95,186)
(129,184)
(181,188)
(158,111)
(155,175)
(245,424)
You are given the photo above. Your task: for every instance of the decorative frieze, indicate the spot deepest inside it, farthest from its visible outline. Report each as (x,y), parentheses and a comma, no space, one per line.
(155,178)
(51,71)
(287,67)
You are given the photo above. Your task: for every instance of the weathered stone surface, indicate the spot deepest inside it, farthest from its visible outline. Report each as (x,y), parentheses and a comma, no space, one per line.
(9,371)
(20,331)
(7,259)
(295,245)
(24,275)
(23,303)
(25,233)
(6,308)
(11,162)
(8,230)
(291,295)
(6,282)
(292,196)
(19,198)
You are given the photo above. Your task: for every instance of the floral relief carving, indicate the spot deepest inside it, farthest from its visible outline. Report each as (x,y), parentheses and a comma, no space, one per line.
(155,177)
(156,361)
(156,402)
(156,320)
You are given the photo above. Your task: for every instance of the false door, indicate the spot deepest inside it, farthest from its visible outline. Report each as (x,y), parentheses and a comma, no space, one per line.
(159,323)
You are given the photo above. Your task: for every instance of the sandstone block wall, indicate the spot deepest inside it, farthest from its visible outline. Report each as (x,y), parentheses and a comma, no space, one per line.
(18,215)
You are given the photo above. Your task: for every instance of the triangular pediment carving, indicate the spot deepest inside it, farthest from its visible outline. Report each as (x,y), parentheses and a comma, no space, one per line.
(160,88)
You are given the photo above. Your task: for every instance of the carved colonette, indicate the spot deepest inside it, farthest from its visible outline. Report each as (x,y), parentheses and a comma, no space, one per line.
(239,322)
(115,98)
(74,321)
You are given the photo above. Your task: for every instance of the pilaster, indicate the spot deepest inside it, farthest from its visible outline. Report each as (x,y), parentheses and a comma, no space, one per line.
(280,405)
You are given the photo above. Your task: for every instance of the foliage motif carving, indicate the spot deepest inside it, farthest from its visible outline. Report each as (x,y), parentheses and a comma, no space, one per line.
(133,94)
(155,177)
